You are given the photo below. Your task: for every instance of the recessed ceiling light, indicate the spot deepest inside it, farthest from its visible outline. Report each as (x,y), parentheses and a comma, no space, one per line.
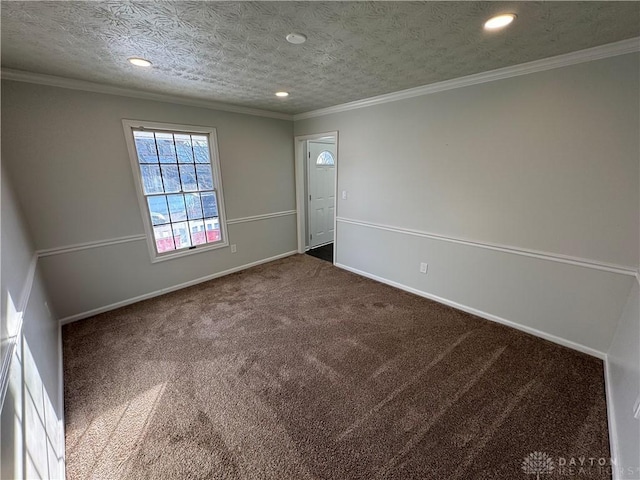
(282,94)
(499,21)
(296,38)
(139,62)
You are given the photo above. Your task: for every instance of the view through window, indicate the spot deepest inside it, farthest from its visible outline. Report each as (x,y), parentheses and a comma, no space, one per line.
(179,185)
(325,158)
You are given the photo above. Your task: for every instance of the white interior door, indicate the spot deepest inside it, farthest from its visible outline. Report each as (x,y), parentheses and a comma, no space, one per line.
(321,182)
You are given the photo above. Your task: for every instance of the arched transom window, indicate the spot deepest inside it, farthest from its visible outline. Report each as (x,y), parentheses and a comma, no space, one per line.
(325,158)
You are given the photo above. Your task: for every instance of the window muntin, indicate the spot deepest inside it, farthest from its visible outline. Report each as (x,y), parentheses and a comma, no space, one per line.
(179,186)
(325,158)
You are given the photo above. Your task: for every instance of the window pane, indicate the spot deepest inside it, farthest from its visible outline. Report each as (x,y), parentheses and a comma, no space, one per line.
(178,186)
(209,204)
(183,148)
(205,179)
(170,178)
(176,208)
(158,210)
(166,150)
(181,235)
(188,177)
(151,179)
(164,238)
(200,148)
(197,232)
(194,208)
(146,147)
(212,226)
(325,158)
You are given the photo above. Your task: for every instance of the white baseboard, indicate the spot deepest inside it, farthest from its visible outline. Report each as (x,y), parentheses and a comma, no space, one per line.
(162,291)
(613,432)
(480,313)
(613,435)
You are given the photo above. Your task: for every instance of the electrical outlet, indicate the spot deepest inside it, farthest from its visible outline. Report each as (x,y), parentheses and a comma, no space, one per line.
(424,268)
(344,194)
(234,249)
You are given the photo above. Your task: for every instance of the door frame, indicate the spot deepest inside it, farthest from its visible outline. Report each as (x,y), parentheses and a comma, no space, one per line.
(301,203)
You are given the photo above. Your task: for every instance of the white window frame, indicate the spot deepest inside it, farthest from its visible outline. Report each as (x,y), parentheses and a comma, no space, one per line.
(214,158)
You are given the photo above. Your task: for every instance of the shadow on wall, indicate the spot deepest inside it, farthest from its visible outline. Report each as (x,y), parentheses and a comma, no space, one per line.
(32,445)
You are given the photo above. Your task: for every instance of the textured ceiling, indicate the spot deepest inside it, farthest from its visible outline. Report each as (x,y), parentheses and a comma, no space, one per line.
(235,52)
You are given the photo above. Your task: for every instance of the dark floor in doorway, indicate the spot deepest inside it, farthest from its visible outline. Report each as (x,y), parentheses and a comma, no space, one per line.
(324,252)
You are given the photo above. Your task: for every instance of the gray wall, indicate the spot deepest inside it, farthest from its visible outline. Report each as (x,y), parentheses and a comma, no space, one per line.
(32,417)
(545,162)
(67,153)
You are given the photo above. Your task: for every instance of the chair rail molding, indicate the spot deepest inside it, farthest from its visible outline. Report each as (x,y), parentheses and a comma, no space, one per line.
(141,237)
(553,257)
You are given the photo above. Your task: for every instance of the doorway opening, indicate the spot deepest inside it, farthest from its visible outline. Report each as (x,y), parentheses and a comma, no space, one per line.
(325,252)
(316,186)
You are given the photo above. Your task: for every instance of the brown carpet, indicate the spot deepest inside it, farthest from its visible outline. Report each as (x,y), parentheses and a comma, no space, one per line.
(299,370)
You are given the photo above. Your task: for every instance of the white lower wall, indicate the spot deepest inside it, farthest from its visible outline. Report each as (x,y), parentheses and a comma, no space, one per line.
(532,293)
(33,411)
(82,282)
(623,389)
(32,443)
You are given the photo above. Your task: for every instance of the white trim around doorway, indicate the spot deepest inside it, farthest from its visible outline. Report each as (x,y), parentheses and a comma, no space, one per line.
(301,204)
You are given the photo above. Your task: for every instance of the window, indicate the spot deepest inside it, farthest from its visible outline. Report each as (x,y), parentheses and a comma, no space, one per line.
(177,176)
(325,158)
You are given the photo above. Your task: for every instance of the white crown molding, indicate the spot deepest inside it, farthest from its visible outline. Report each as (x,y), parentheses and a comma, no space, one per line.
(73,84)
(552,257)
(630,45)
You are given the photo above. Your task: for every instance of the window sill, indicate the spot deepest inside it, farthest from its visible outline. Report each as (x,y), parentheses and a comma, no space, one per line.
(155,258)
